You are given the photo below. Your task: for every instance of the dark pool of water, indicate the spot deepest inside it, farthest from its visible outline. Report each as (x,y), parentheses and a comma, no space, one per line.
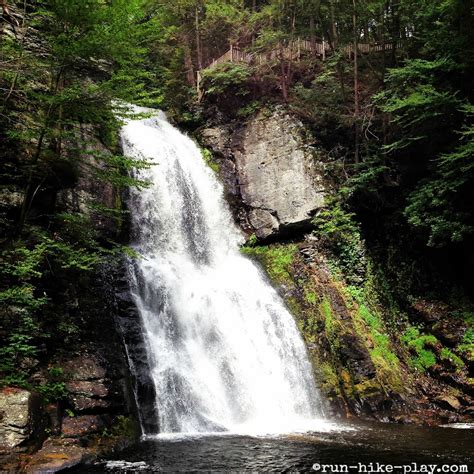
(375,443)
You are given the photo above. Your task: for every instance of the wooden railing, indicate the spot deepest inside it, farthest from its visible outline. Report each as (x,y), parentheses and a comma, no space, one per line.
(293,52)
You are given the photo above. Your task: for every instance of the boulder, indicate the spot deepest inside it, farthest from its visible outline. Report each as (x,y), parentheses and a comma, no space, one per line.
(19,415)
(264,223)
(56,455)
(449,402)
(280,179)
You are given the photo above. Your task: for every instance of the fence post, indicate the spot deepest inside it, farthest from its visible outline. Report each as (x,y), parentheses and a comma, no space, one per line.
(231,53)
(198,85)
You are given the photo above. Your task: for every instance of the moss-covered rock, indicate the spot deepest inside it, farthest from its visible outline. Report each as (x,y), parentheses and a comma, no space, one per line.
(363,362)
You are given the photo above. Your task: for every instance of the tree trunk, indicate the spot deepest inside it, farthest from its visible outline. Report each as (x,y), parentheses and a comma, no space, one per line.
(312,34)
(356,85)
(333,25)
(188,62)
(283,78)
(198,36)
(5,10)
(395,30)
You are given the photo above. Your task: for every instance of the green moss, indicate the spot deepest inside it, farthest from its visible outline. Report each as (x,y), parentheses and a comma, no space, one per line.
(310,297)
(276,259)
(467,346)
(329,326)
(417,343)
(367,388)
(386,362)
(330,380)
(446,354)
(251,241)
(295,307)
(209,160)
(371,329)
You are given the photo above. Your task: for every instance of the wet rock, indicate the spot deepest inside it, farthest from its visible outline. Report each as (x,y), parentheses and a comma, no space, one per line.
(449,402)
(10,197)
(81,426)
(354,356)
(20,415)
(52,411)
(84,368)
(88,388)
(218,139)
(82,404)
(56,455)
(430,311)
(264,223)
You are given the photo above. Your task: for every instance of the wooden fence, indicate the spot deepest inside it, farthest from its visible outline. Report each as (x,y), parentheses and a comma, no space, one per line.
(292,52)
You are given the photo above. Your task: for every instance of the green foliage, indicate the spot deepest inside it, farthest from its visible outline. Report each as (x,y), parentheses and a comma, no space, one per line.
(467,346)
(339,232)
(209,160)
(415,99)
(225,78)
(17,347)
(71,251)
(55,389)
(329,323)
(382,347)
(419,344)
(446,354)
(249,109)
(440,204)
(251,241)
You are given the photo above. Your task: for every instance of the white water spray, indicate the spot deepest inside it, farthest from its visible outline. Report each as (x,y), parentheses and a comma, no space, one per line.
(225,353)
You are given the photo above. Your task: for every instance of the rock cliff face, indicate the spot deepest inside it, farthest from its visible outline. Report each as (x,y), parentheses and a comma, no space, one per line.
(85,345)
(270,164)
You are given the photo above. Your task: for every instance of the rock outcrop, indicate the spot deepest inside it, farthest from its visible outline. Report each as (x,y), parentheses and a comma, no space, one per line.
(271,166)
(19,417)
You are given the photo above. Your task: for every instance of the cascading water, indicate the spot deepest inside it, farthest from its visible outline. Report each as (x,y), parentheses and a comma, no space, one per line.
(224,352)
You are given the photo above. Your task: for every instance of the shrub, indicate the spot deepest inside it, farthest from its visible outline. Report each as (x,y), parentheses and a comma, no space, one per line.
(225,78)
(417,343)
(340,234)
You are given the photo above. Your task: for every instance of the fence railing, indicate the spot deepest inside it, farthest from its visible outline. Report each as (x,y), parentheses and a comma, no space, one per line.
(294,51)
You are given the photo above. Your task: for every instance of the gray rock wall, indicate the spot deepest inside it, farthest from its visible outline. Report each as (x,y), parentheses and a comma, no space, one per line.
(272,167)
(18,415)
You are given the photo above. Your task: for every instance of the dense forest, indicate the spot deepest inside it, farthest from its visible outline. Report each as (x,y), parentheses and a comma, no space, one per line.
(395,124)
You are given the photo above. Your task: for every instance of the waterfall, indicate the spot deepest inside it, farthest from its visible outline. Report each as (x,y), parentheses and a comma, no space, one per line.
(224,352)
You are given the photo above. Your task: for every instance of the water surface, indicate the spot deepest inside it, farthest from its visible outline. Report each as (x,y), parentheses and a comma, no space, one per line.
(353,444)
